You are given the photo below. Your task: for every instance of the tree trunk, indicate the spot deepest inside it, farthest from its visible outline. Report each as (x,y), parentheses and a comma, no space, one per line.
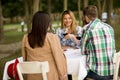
(40,5)
(85,3)
(104,5)
(99,9)
(28,14)
(79,1)
(35,6)
(109,11)
(49,7)
(65,5)
(1,23)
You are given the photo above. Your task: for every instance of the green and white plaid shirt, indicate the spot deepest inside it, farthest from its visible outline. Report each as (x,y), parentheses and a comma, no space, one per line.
(99,45)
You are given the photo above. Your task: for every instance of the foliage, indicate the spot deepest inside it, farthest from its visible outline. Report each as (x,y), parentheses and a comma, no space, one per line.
(116,3)
(57,6)
(12,8)
(92,2)
(117,38)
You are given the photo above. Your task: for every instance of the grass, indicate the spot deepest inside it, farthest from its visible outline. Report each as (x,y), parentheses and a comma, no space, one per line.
(12,35)
(117,37)
(15,36)
(8,26)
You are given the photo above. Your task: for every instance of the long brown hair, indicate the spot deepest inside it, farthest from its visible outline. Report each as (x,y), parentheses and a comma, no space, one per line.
(40,23)
(74,23)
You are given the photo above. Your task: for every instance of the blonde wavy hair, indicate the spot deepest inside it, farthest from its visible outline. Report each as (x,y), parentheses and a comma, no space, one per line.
(74,23)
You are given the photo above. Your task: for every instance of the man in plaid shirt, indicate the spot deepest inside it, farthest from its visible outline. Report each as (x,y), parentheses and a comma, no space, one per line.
(98,45)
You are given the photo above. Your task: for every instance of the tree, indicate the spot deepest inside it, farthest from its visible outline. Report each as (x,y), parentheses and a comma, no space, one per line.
(12,8)
(40,4)
(1,23)
(31,7)
(109,11)
(79,1)
(35,6)
(85,3)
(101,7)
(49,7)
(65,4)
(28,13)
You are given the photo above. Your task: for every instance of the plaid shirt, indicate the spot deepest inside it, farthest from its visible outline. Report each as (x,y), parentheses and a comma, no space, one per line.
(99,45)
(68,42)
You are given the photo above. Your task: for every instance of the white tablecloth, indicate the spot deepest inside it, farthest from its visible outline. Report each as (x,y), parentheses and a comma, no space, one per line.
(75,64)
(5,75)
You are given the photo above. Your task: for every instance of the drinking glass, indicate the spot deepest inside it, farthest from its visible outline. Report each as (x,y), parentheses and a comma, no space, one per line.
(65,30)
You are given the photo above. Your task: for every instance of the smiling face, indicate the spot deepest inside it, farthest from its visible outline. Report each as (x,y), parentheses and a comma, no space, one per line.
(67,20)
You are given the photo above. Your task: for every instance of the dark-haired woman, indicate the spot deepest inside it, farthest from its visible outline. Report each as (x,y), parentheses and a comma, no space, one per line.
(41,45)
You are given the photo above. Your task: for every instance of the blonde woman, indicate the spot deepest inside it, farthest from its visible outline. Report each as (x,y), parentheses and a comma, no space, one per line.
(69,31)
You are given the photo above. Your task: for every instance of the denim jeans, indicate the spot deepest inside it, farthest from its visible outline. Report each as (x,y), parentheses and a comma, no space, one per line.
(95,76)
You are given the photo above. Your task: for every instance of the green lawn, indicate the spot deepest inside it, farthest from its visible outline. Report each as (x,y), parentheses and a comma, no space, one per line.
(16,37)
(11,35)
(117,36)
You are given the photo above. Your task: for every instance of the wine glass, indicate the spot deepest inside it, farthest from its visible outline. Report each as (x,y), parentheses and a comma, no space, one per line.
(65,30)
(78,35)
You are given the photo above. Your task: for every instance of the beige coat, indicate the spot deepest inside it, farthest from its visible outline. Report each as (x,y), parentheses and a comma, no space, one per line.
(51,52)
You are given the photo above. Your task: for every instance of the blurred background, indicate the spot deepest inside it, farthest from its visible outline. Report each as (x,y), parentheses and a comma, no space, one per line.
(16,15)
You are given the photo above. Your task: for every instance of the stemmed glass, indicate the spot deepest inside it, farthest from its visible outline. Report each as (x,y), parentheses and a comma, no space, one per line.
(65,30)
(78,36)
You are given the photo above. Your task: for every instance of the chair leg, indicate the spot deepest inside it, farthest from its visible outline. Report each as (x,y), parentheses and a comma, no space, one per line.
(70,77)
(44,74)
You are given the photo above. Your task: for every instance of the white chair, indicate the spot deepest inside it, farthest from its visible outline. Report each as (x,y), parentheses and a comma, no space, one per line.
(33,67)
(116,61)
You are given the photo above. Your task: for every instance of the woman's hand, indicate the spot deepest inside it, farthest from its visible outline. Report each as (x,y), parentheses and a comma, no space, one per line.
(67,47)
(64,77)
(71,36)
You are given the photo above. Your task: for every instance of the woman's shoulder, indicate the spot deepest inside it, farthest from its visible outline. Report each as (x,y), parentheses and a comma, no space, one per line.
(25,39)
(59,29)
(79,28)
(51,35)
(25,36)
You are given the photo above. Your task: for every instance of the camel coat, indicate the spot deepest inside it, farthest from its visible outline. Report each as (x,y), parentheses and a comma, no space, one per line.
(51,52)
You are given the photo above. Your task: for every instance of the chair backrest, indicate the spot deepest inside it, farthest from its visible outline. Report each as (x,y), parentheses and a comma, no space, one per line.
(116,61)
(33,67)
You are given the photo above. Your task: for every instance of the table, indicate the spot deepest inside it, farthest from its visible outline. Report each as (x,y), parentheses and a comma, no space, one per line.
(5,75)
(75,64)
